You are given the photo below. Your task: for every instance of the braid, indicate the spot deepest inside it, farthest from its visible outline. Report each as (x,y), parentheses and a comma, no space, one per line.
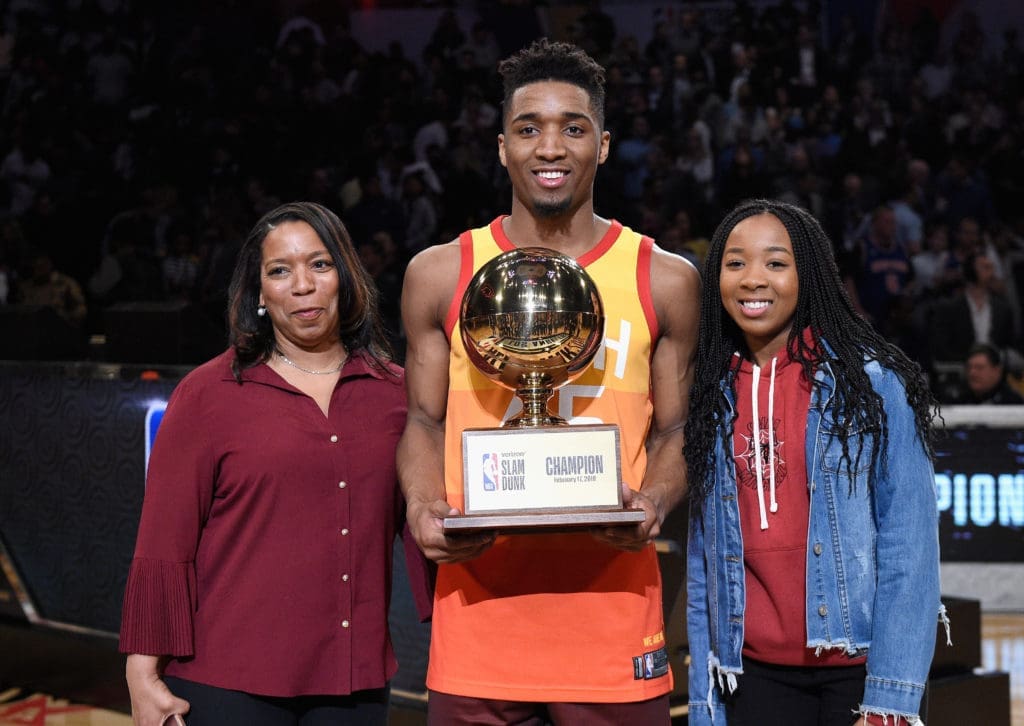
(824,308)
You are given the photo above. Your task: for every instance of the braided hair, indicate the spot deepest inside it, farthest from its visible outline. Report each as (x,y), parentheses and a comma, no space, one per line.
(838,334)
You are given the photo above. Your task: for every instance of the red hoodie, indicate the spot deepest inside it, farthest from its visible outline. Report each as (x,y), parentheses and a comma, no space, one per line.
(775,536)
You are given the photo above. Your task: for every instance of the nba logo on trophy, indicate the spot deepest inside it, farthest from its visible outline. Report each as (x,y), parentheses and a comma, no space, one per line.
(490,470)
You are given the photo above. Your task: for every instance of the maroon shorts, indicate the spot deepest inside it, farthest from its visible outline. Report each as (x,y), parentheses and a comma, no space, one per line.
(444,709)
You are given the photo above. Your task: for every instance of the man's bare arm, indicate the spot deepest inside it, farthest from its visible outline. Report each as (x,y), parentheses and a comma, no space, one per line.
(675,289)
(430,281)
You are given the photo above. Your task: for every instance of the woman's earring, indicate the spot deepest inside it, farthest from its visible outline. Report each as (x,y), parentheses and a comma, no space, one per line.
(261,310)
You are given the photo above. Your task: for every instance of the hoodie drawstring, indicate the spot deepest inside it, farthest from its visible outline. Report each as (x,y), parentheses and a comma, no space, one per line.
(771,437)
(771,442)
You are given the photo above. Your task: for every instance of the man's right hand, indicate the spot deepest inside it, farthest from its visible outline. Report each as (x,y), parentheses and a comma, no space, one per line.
(426,521)
(153,704)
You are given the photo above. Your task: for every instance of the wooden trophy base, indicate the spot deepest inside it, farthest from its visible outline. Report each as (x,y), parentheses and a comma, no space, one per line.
(522,480)
(542,521)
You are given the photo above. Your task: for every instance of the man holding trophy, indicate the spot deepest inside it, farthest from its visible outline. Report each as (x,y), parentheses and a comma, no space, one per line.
(541,623)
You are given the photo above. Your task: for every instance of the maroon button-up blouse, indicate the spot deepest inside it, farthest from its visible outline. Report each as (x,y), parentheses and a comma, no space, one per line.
(264,552)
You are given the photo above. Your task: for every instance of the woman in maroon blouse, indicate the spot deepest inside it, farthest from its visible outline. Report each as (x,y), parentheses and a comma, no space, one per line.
(259,589)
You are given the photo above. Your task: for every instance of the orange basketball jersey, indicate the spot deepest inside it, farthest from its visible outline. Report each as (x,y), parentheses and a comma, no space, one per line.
(556,617)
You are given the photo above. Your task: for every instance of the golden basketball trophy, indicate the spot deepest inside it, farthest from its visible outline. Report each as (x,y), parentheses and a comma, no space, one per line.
(532,321)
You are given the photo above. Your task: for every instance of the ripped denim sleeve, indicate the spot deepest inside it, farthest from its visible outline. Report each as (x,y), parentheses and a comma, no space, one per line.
(725,679)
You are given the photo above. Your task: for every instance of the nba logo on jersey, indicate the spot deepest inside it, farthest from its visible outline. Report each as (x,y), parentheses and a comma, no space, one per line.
(489,465)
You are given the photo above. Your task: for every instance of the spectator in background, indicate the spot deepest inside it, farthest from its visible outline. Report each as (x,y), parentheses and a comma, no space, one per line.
(468,73)
(960,194)
(976,314)
(259,200)
(805,66)
(420,214)
(909,225)
(884,269)
(658,98)
(180,267)
(849,215)
(696,163)
(632,156)
(111,70)
(434,129)
(476,113)
(743,118)
(985,378)
(24,171)
(1007,247)
(374,211)
(681,88)
(597,29)
(969,241)
(849,51)
(687,34)
(928,261)
(447,37)
(483,48)
(43,223)
(936,75)
(741,179)
(922,198)
(659,51)
(800,184)
(692,246)
(383,263)
(50,288)
(890,70)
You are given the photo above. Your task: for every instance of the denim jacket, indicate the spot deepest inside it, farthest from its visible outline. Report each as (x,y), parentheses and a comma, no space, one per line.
(872,560)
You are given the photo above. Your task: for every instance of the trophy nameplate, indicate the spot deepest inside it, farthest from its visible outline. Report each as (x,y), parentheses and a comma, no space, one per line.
(532,320)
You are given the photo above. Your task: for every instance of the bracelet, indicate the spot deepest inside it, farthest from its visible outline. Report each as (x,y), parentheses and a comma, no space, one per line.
(877,719)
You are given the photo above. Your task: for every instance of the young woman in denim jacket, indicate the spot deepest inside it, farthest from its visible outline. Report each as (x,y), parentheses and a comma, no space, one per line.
(813,556)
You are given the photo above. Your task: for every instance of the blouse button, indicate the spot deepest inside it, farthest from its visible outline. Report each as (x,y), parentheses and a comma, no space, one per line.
(817,548)
(823,611)
(344,623)
(334,438)
(342,484)
(344,578)
(344,532)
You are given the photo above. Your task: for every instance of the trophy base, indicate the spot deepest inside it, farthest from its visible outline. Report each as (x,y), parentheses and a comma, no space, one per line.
(546,521)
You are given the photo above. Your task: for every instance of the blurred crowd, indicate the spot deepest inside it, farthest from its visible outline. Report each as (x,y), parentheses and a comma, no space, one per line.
(139,141)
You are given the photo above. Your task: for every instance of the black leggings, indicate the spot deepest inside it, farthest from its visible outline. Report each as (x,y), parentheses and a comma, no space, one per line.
(212,706)
(771,695)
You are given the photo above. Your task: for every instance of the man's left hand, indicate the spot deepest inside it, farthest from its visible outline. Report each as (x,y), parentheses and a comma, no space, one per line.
(632,538)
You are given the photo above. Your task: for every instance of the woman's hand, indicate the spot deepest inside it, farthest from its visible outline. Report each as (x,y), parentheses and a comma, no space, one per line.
(152,701)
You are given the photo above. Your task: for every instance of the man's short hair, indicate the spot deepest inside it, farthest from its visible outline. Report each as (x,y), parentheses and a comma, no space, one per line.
(544,60)
(994,355)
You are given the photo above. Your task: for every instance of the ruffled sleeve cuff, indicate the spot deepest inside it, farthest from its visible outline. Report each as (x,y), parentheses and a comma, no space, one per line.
(156,618)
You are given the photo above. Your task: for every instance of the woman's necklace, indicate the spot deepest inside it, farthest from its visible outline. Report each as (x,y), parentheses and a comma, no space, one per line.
(328,372)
